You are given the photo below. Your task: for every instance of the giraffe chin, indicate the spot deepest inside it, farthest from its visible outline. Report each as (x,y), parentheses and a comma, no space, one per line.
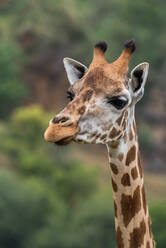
(64,141)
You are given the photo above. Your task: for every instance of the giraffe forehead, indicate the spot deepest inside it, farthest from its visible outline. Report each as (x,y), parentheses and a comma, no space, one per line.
(101,82)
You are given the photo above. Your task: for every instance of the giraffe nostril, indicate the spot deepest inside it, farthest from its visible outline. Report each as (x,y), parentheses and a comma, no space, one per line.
(60,120)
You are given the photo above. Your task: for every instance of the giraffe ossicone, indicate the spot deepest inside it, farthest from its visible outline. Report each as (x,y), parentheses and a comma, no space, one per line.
(101,111)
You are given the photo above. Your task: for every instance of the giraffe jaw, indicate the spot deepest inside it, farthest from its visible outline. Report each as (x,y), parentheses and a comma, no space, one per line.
(64,141)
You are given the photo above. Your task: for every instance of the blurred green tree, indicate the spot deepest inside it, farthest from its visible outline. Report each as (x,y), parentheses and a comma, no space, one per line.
(12,92)
(24,209)
(145,137)
(117,21)
(93,223)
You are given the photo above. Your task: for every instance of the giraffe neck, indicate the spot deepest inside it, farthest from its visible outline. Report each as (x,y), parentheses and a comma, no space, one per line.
(132,220)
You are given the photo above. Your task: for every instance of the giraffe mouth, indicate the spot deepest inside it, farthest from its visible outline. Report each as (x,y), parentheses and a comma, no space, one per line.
(60,135)
(64,141)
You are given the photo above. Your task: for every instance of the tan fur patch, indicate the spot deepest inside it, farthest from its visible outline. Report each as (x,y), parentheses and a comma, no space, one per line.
(130,206)
(134,173)
(137,236)
(131,155)
(119,238)
(114,168)
(126,180)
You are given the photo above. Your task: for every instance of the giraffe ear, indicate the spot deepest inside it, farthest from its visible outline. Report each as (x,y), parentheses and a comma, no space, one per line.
(138,79)
(74,69)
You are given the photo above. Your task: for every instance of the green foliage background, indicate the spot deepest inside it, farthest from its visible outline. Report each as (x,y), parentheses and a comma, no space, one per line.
(47,200)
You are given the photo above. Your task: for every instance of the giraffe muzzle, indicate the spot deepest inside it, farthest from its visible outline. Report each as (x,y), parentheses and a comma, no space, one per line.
(60,134)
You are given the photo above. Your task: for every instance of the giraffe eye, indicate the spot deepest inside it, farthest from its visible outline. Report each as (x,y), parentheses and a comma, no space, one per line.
(118,102)
(70,95)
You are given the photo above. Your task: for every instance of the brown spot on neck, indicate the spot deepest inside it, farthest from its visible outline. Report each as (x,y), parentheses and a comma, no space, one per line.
(125,180)
(114,186)
(134,173)
(130,206)
(131,155)
(119,239)
(137,236)
(114,168)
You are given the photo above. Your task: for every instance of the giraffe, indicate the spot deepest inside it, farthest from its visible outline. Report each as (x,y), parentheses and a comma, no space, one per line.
(101,111)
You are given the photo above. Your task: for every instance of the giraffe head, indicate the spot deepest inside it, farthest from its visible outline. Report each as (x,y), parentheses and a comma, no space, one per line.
(102,98)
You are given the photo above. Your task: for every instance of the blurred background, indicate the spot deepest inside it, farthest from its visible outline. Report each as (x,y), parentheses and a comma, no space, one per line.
(61,197)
